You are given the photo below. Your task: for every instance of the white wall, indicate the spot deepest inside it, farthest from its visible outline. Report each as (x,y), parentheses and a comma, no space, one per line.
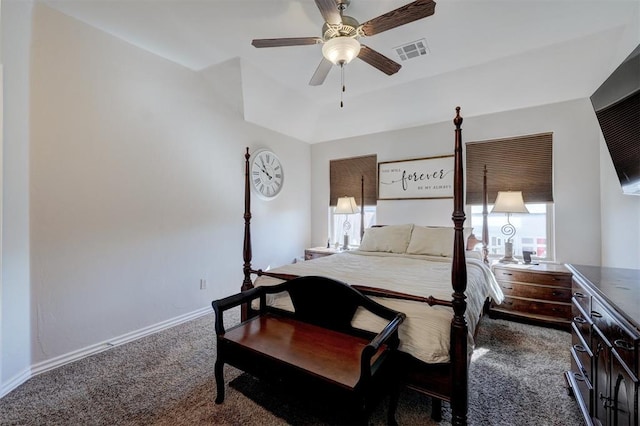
(620,218)
(136,184)
(576,151)
(14,283)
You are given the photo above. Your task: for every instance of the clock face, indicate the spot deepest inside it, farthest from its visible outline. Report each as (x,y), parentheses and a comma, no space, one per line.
(267,175)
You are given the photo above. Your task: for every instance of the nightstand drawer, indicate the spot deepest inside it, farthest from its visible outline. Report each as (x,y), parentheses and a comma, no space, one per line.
(317,252)
(546,278)
(309,255)
(533,291)
(535,307)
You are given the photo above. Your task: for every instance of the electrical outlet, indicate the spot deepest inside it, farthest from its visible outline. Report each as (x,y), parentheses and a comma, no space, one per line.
(203,284)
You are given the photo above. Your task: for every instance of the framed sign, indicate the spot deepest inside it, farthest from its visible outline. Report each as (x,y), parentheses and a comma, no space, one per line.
(415,179)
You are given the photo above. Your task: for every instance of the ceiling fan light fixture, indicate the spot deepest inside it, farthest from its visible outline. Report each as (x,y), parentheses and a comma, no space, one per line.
(341,50)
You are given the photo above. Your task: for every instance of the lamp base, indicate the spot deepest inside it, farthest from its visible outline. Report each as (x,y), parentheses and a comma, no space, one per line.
(345,243)
(508,253)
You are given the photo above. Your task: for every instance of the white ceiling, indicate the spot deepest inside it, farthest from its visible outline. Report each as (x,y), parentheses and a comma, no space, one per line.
(485,55)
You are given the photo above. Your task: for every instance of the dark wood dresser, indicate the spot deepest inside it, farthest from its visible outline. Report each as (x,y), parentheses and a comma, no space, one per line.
(605,352)
(538,294)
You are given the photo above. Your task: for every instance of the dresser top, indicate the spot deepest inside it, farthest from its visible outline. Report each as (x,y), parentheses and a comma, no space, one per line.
(618,286)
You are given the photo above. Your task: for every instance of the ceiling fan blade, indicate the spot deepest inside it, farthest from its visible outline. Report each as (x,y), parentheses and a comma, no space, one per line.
(378,60)
(403,15)
(321,72)
(329,11)
(279,42)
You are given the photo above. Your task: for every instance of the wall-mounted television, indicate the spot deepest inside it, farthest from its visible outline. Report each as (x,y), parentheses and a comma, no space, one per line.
(617,106)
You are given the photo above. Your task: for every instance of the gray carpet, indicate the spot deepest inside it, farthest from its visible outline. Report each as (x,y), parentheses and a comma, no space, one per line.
(167,379)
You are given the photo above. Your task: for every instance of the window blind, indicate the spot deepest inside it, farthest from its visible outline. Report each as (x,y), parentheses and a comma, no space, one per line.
(522,163)
(345,179)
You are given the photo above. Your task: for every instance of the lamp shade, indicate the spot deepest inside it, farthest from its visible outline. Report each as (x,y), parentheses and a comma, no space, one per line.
(341,50)
(509,202)
(346,205)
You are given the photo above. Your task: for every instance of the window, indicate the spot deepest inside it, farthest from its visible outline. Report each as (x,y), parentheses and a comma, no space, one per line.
(336,225)
(354,177)
(522,163)
(533,230)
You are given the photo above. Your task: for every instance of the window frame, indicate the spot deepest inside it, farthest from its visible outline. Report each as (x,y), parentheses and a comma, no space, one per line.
(476,210)
(335,226)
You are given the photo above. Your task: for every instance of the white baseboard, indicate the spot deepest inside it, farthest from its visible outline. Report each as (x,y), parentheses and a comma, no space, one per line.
(15,381)
(61,360)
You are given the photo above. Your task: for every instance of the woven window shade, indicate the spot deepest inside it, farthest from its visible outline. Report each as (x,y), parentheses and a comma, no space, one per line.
(521,163)
(620,124)
(345,179)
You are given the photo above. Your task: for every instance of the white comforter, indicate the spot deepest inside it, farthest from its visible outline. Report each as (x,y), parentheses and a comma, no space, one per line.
(425,332)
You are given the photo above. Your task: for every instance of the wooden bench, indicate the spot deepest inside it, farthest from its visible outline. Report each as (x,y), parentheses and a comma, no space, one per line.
(315,346)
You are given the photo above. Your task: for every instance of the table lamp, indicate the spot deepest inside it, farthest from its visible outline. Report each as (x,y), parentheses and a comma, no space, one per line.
(346,206)
(509,202)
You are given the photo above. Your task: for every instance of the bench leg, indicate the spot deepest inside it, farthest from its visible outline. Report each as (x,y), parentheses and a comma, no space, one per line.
(393,405)
(218,371)
(436,409)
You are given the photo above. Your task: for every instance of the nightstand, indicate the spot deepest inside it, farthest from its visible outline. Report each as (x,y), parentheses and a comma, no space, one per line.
(538,294)
(316,252)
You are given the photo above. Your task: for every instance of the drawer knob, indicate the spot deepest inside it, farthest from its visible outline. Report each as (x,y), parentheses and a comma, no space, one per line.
(579,377)
(579,295)
(579,348)
(579,320)
(623,344)
(596,314)
(556,293)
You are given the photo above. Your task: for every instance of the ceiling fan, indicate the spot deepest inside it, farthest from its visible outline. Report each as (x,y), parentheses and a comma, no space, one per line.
(340,34)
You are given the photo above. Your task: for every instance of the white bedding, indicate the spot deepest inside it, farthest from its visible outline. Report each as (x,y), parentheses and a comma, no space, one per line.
(425,332)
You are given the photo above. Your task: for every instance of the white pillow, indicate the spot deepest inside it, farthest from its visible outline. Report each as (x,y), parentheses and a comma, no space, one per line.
(434,240)
(391,238)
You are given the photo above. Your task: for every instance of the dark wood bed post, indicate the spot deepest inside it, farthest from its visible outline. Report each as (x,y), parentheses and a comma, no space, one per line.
(485,222)
(361,208)
(246,250)
(459,329)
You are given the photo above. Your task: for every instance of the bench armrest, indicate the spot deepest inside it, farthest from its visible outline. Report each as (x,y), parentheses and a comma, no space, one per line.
(221,305)
(389,332)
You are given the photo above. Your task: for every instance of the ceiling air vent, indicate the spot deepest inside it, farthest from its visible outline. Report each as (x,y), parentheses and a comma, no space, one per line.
(412,50)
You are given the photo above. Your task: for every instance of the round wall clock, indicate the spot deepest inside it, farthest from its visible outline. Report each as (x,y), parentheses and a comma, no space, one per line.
(267,174)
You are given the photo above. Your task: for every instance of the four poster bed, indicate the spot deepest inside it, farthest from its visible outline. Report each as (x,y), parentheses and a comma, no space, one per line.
(408,268)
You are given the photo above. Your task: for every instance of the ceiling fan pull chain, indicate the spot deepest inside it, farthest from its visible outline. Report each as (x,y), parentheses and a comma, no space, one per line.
(342,81)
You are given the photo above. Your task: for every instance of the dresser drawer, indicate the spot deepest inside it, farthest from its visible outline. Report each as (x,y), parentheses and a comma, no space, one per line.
(581,352)
(621,338)
(582,387)
(533,291)
(535,307)
(545,278)
(582,296)
(581,322)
